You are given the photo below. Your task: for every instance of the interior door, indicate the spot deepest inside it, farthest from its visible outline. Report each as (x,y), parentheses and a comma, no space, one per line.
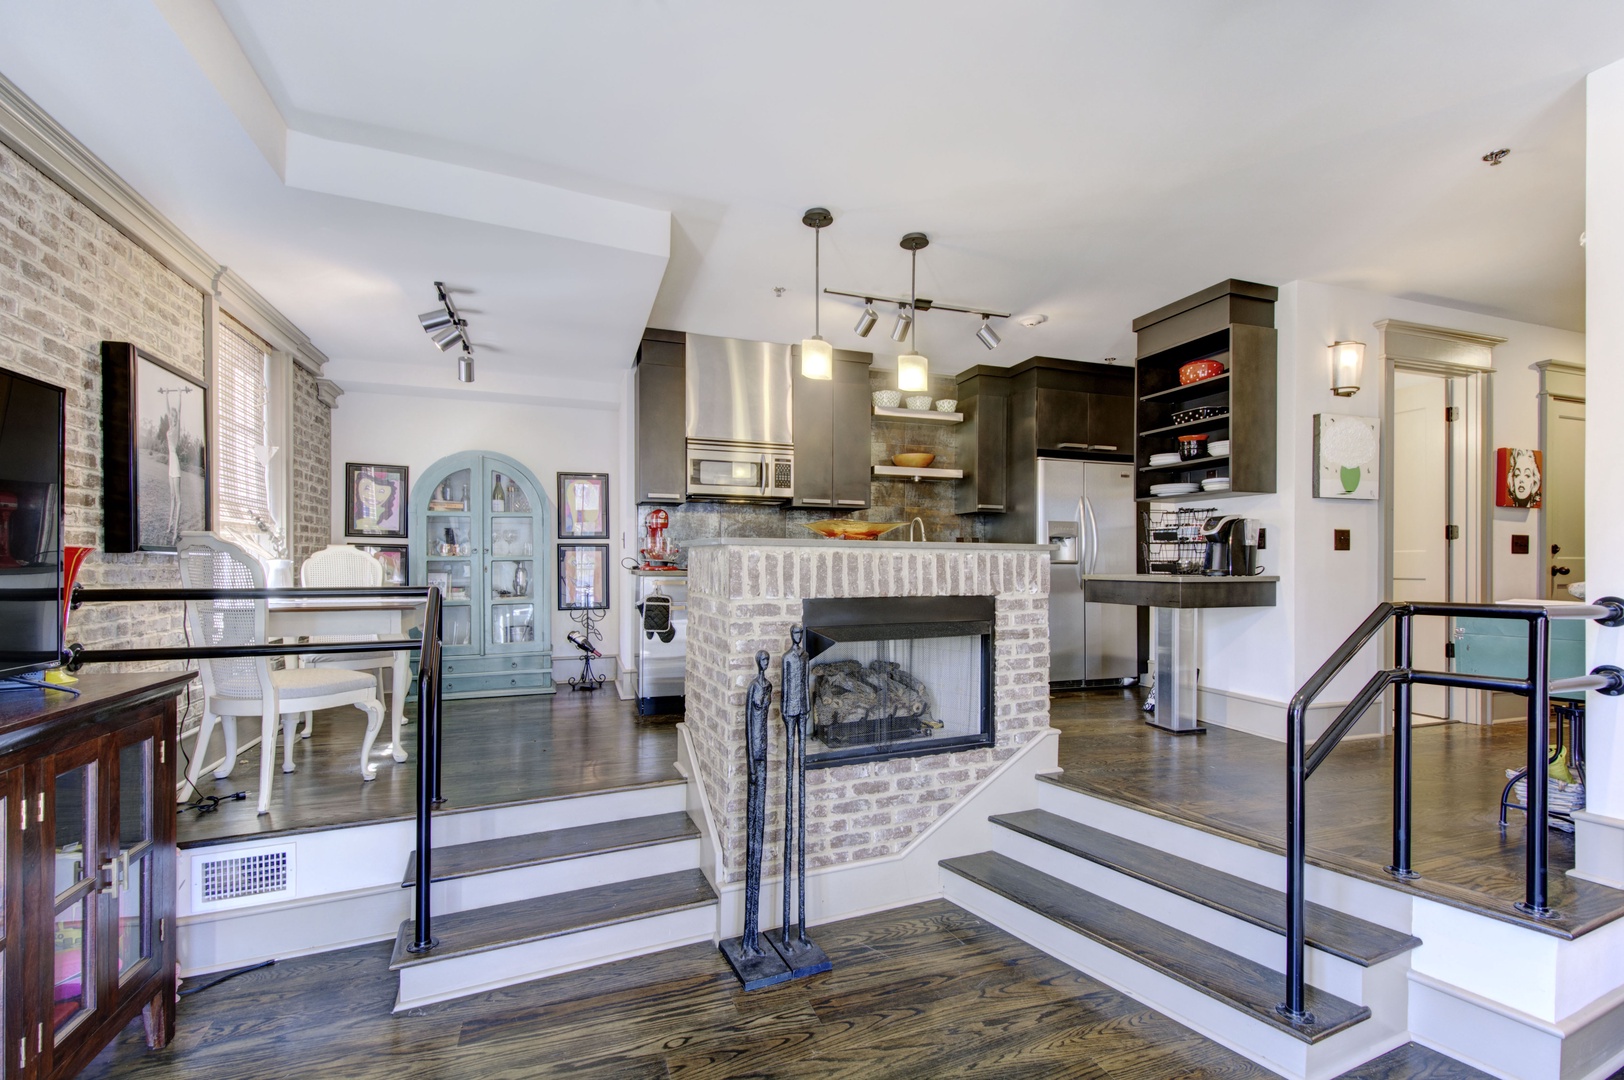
(1564,495)
(1421,514)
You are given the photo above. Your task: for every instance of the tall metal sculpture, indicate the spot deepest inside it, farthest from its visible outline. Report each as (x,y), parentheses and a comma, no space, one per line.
(797,950)
(752,959)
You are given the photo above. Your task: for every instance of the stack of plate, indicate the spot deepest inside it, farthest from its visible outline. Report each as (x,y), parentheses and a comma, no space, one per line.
(1175,489)
(1219,448)
(1170,458)
(1215,483)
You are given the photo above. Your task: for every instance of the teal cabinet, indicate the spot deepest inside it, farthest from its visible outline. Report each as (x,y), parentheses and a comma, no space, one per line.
(1500,647)
(481,529)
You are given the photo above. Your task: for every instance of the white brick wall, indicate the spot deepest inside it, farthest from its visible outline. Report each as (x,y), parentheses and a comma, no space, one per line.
(745,597)
(312,469)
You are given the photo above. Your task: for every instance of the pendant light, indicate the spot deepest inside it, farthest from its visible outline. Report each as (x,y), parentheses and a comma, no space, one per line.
(913,370)
(817,357)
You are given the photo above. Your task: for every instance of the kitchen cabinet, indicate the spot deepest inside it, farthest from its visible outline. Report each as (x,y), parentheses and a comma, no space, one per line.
(87,909)
(984,441)
(661,378)
(832,419)
(482,527)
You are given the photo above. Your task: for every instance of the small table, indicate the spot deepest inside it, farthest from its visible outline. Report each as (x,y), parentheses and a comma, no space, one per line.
(1176,598)
(385,617)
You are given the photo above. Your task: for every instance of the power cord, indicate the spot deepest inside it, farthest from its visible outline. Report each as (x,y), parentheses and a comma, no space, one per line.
(19,682)
(228,975)
(208,804)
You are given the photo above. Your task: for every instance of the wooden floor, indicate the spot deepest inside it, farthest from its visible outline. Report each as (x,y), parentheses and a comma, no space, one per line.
(497,750)
(924,991)
(1233,783)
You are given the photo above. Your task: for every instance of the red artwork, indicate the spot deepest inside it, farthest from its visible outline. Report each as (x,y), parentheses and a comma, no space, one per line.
(1518,478)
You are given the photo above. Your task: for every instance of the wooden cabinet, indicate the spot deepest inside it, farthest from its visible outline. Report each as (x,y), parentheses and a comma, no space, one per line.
(87,915)
(984,442)
(1232,323)
(662,432)
(832,420)
(482,528)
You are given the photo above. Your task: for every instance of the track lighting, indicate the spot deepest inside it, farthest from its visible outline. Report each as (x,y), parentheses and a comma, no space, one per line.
(899,332)
(465,368)
(448,330)
(866,321)
(989,336)
(448,338)
(434,320)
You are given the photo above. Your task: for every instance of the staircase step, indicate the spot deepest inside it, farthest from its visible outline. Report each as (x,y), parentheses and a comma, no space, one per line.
(1242,984)
(535,849)
(1347,936)
(485,929)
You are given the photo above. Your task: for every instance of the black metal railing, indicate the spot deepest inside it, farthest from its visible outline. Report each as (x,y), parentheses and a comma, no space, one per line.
(1302,759)
(428,682)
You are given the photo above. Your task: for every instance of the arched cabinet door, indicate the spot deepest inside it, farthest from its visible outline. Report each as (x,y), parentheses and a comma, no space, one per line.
(482,532)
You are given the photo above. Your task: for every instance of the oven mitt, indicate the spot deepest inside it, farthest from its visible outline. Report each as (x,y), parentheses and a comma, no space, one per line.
(656,612)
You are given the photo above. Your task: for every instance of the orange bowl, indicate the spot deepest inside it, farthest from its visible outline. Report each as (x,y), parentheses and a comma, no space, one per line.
(847,529)
(1199,370)
(912,461)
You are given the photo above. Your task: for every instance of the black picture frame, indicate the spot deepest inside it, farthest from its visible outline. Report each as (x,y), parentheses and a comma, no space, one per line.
(575,592)
(155,451)
(397,566)
(571,511)
(392,519)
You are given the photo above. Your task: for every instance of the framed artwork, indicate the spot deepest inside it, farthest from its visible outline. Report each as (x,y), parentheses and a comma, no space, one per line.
(1519,478)
(393,557)
(1347,456)
(375,500)
(155,451)
(583,506)
(583,577)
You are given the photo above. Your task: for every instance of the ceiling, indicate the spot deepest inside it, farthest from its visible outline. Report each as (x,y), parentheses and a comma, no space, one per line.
(576,171)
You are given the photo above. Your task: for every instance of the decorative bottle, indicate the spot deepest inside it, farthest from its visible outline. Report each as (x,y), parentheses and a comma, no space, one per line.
(498,496)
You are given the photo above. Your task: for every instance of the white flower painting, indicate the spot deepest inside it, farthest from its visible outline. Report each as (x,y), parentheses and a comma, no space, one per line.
(1347,456)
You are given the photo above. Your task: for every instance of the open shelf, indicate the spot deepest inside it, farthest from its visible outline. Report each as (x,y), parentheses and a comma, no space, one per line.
(1189,426)
(1215,385)
(900,473)
(918,416)
(1196,496)
(1193,463)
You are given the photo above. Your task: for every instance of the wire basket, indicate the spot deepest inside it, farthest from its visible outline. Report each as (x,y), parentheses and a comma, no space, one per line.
(1173,542)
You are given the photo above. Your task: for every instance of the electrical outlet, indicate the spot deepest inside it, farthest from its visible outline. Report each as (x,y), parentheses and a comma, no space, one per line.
(1519,543)
(1342,540)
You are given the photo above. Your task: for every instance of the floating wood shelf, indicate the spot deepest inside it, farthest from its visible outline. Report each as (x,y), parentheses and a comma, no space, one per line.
(918,416)
(1194,463)
(900,473)
(1216,385)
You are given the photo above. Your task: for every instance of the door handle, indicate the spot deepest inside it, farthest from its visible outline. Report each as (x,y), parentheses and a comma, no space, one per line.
(850,502)
(1561,571)
(117,870)
(661,495)
(1094,527)
(814,502)
(1083,551)
(1102,446)
(766,471)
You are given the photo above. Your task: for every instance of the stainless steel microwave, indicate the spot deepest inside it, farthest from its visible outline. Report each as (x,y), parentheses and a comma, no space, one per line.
(733,470)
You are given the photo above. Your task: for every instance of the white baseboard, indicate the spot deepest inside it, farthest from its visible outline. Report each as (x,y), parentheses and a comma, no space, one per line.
(232,939)
(1266,717)
(1589,1045)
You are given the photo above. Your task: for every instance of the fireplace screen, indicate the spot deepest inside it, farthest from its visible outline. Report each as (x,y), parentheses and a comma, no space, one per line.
(898,676)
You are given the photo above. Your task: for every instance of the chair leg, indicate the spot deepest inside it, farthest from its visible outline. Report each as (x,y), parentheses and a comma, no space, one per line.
(228,726)
(308,724)
(290,730)
(267,754)
(374,710)
(200,749)
(397,749)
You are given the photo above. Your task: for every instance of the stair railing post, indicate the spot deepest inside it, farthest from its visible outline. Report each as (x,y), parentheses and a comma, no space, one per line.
(437,795)
(1403,659)
(428,715)
(1535,898)
(1294,1008)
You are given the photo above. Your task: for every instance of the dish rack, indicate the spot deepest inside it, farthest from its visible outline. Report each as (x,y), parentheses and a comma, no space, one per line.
(1173,543)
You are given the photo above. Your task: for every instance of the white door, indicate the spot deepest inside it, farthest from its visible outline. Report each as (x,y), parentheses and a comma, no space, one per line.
(1564,495)
(1421,512)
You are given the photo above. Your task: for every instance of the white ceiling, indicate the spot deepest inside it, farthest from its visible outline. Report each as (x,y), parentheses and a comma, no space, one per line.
(1087,160)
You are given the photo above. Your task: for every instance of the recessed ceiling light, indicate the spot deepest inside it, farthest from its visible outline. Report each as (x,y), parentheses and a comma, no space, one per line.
(1033,320)
(1495,157)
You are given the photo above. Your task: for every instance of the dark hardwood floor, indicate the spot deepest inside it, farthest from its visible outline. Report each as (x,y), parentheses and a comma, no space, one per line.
(924,991)
(497,750)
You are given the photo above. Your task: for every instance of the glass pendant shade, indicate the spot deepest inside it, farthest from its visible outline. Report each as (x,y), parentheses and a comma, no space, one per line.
(913,373)
(817,359)
(1347,367)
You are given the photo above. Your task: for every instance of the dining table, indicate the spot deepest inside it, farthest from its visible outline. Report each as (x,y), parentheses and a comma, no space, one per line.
(387,617)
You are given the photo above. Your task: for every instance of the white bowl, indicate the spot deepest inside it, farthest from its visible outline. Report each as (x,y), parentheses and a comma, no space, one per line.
(1218,448)
(918,402)
(888,399)
(948,405)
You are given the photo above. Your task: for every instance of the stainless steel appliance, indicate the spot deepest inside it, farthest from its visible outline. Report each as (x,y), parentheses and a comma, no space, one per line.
(1231,546)
(662,641)
(1086,509)
(739,417)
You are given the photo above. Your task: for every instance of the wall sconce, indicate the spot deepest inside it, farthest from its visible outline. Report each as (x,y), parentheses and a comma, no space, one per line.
(913,373)
(1347,367)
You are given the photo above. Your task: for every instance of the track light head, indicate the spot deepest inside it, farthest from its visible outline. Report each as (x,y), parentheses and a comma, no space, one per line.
(448,338)
(989,337)
(899,332)
(434,320)
(465,368)
(866,321)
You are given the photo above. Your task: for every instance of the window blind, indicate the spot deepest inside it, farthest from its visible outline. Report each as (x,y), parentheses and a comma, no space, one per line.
(240,424)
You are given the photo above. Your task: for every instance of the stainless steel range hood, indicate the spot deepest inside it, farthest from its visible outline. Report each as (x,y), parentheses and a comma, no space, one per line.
(739,420)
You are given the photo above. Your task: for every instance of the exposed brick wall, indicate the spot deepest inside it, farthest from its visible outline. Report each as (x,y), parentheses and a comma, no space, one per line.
(312,469)
(744,597)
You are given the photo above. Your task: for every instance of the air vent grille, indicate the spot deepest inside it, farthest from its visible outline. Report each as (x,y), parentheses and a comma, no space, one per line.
(242,878)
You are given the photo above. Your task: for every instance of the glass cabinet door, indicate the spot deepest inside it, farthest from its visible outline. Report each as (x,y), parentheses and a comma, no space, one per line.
(71,823)
(11,996)
(514,592)
(452,555)
(131,875)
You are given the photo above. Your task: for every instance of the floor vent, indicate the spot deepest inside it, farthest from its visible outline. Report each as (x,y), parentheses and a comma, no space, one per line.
(242,878)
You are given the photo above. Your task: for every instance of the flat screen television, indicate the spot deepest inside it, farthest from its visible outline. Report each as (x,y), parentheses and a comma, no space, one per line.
(31,429)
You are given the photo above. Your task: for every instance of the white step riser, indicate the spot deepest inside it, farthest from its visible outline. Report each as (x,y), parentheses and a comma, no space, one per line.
(454,977)
(1208,1016)
(565,875)
(497,822)
(1373,903)
(1331,973)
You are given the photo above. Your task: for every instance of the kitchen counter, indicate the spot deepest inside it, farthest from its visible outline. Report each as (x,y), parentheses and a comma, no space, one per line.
(668,575)
(1180,590)
(823,544)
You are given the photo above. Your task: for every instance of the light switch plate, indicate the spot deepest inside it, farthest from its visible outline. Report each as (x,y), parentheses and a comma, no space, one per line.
(1342,540)
(1519,543)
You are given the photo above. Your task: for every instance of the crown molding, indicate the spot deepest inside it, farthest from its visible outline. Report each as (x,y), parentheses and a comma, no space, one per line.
(327,392)
(49,147)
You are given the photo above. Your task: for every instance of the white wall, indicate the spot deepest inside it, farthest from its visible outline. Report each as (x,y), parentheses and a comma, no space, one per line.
(399,429)
(1324,593)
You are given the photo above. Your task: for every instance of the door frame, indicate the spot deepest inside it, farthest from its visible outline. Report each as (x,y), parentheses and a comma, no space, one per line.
(1452,354)
(1559,381)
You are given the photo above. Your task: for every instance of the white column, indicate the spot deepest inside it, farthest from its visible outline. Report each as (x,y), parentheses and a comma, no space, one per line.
(1600,836)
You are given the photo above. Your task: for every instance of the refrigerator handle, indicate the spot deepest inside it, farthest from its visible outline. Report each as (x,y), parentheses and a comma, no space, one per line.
(1094,530)
(1084,552)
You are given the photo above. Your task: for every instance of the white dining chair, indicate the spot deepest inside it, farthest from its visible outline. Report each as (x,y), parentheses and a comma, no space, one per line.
(346,566)
(249,686)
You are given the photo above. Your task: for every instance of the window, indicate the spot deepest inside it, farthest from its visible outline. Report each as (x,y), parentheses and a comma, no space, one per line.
(240,402)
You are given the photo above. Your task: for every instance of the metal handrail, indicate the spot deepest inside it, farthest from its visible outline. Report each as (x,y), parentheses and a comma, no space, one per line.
(428,684)
(1302,760)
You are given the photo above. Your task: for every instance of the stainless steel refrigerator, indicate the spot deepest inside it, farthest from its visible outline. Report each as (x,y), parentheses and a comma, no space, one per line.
(1087,508)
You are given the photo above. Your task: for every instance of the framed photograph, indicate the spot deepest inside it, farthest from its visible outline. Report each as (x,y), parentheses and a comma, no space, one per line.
(583,577)
(155,451)
(583,506)
(1347,456)
(394,559)
(375,500)
(1519,478)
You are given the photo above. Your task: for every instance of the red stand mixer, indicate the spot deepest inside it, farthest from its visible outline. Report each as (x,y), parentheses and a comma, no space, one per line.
(658,552)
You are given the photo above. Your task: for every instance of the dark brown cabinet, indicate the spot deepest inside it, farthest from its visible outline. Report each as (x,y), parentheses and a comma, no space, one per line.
(832,420)
(984,443)
(661,379)
(87,939)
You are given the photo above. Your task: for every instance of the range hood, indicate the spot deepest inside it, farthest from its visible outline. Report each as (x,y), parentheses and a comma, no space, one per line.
(739,420)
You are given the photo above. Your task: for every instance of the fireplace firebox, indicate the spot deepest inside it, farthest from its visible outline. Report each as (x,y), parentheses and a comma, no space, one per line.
(898,676)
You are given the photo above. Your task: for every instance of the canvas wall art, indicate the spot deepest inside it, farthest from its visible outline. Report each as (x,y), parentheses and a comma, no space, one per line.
(1519,478)
(155,464)
(1347,456)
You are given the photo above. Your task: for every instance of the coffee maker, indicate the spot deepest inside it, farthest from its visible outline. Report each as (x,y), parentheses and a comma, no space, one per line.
(1231,545)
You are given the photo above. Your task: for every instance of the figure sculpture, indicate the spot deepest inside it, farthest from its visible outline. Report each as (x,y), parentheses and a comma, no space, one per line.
(798,951)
